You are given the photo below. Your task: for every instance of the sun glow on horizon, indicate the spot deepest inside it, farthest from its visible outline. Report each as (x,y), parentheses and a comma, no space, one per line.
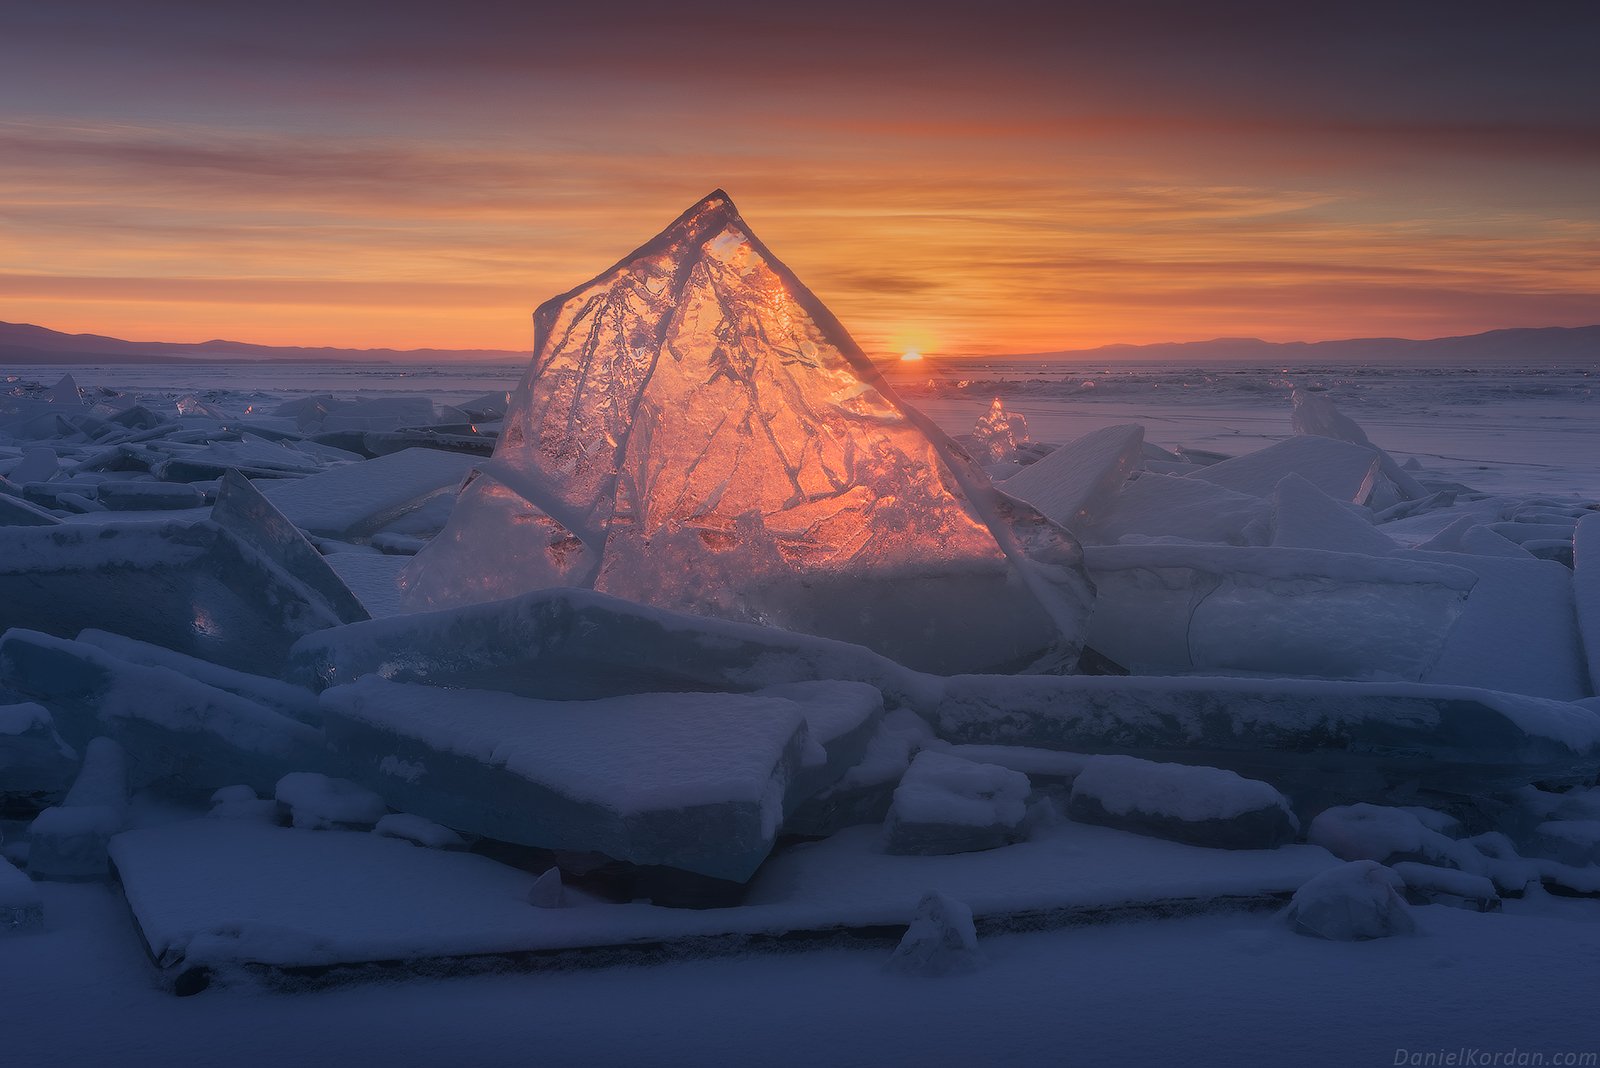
(911,357)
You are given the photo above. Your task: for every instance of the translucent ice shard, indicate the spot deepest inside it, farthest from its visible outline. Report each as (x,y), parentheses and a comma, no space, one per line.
(698,432)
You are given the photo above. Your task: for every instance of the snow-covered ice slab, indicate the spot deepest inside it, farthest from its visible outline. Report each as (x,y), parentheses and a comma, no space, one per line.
(216,894)
(1074,483)
(1312,739)
(1586,590)
(237,589)
(1342,470)
(356,500)
(698,432)
(695,782)
(573,644)
(1194,608)
(176,729)
(36,766)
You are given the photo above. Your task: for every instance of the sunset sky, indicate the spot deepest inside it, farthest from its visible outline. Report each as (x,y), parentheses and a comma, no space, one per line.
(963,178)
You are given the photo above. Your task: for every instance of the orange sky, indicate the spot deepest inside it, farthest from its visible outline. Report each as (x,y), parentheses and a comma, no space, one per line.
(1018,179)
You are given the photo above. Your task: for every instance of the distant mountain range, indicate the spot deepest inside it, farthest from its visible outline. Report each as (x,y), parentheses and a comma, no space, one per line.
(21,343)
(1542,343)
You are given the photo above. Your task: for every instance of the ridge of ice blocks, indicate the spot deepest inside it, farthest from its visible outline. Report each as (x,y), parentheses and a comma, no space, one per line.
(175,729)
(21,905)
(69,841)
(698,432)
(694,782)
(1075,482)
(235,590)
(1586,590)
(1344,471)
(1181,607)
(945,804)
(572,644)
(1203,806)
(351,501)
(36,766)
(318,802)
(941,940)
(1353,903)
(1312,739)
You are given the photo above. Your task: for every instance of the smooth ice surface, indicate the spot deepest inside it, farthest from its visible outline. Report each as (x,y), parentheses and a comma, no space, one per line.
(1353,903)
(1178,608)
(1076,482)
(1172,506)
(698,432)
(177,729)
(356,500)
(1342,470)
(1309,738)
(691,781)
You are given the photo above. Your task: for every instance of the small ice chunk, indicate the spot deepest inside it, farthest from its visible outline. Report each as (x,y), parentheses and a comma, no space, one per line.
(1447,886)
(1386,835)
(1469,534)
(998,435)
(1304,517)
(1344,471)
(942,939)
(547,891)
(1351,903)
(1571,842)
(241,803)
(419,831)
(1203,806)
(945,804)
(21,905)
(1078,481)
(317,802)
(36,766)
(69,841)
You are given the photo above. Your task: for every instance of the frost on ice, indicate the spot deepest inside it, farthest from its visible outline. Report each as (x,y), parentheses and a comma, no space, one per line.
(698,432)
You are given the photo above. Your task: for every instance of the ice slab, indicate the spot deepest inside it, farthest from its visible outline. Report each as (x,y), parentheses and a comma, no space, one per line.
(694,782)
(1342,470)
(946,804)
(1076,482)
(149,496)
(579,644)
(21,905)
(1303,517)
(1353,903)
(356,500)
(1518,632)
(374,579)
(1204,806)
(1586,591)
(69,841)
(318,802)
(16,512)
(1194,608)
(175,729)
(1170,506)
(841,718)
(36,766)
(1315,413)
(235,590)
(1312,739)
(207,894)
(698,432)
(293,701)
(1469,534)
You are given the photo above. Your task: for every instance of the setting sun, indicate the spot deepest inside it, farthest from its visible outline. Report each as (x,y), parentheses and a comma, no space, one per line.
(911,357)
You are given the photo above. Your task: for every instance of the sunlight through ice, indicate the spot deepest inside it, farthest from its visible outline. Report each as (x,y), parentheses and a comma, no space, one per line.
(698,432)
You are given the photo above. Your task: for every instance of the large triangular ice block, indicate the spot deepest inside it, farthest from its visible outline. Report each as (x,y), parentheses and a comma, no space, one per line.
(698,432)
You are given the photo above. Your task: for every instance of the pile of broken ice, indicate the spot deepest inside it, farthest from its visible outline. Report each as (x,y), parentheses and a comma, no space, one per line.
(717,589)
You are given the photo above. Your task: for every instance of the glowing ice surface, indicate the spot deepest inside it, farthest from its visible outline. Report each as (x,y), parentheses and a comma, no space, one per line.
(698,432)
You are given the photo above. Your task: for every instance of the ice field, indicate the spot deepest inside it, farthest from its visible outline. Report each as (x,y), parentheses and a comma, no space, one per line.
(703,682)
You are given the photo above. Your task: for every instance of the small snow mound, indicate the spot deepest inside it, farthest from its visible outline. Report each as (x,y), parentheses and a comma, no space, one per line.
(1355,902)
(941,940)
(419,831)
(317,801)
